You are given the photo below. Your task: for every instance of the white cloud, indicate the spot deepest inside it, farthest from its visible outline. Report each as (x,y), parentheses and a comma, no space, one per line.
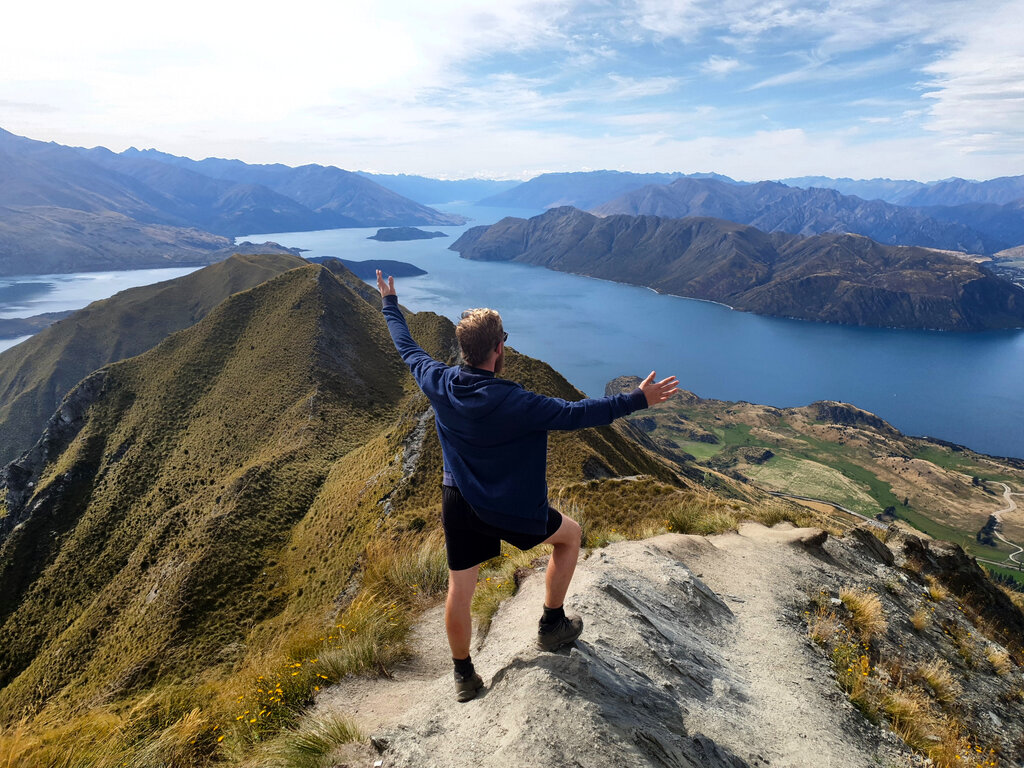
(976,90)
(398,86)
(720,66)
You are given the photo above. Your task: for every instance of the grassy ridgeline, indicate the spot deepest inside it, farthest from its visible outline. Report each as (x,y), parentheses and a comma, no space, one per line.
(209,522)
(36,374)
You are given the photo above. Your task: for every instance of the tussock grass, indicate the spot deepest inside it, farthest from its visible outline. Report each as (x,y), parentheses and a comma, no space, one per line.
(865,611)
(937,675)
(921,618)
(910,716)
(499,579)
(407,569)
(824,626)
(936,590)
(1000,660)
(311,743)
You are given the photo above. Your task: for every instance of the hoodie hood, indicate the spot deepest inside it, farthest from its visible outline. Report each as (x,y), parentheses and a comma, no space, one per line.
(475,393)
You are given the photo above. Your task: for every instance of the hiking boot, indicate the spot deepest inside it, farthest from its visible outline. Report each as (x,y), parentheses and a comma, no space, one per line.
(551,637)
(466,687)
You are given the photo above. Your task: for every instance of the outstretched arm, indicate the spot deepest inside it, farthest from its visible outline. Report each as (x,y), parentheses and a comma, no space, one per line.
(554,413)
(419,362)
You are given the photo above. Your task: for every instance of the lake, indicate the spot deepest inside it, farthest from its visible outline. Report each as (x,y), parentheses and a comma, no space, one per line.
(966,388)
(35,294)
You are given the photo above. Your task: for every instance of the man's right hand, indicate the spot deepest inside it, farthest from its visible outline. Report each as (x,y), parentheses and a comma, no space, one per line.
(658,391)
(388,288)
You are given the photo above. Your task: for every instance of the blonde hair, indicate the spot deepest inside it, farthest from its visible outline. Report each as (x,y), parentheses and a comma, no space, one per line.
(479,332)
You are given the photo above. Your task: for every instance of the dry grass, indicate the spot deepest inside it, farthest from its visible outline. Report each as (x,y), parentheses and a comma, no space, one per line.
(311,743)
(999,659)
(910,716)
(824,626)
(937,675)
(406,569)
(936,591)
(865,610)
(702,513)
(499,580)
(921,618)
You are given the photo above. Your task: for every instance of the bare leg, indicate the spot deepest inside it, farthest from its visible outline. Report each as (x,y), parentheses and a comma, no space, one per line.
(562,565)
(457,619)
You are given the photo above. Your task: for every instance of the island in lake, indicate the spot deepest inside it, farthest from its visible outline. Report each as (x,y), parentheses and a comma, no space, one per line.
(397,234)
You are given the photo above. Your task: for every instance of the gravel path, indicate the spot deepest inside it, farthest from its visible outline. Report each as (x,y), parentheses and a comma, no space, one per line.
(693,654)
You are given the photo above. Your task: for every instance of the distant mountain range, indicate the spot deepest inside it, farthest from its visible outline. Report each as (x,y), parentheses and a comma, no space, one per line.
(72,209)
(771,206)
(1005,189)
(838,278)
(582,190)
(435,191)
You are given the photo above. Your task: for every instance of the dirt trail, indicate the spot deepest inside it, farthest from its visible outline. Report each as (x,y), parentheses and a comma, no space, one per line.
(1011,506)
(693,654)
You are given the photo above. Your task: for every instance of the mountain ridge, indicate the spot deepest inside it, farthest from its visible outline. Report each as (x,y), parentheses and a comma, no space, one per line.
(833,278)
(771,206)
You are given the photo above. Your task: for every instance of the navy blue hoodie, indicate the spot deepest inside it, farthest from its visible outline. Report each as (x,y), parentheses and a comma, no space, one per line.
(493,432)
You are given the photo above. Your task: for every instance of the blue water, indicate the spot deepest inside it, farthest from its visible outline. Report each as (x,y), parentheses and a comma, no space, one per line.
(967,388)
(35,294)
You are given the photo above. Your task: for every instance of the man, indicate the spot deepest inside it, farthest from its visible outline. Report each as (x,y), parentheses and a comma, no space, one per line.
(493,437)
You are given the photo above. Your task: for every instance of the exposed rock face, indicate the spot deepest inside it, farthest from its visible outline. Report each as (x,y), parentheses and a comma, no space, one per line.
(834,412)
(836,278)
(18,479)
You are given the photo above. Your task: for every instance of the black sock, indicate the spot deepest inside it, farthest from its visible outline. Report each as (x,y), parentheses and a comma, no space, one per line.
(464,667)
(553,615)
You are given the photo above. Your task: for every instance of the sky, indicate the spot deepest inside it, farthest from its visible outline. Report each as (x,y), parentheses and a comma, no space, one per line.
(755,89)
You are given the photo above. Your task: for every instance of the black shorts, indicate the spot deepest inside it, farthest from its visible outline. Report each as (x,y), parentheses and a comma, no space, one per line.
(470,541)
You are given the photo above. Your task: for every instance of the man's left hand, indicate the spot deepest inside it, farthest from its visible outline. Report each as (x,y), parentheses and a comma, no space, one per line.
(388,288)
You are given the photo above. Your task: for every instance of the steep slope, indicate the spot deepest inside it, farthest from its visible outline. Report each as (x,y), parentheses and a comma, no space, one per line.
(216,205)
(36,374)
(581,190)
(188,502)
(47,240)
(833,278)
(770,207)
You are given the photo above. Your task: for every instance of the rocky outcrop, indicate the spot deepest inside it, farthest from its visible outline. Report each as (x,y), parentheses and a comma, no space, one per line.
(833,412)
(19,478)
